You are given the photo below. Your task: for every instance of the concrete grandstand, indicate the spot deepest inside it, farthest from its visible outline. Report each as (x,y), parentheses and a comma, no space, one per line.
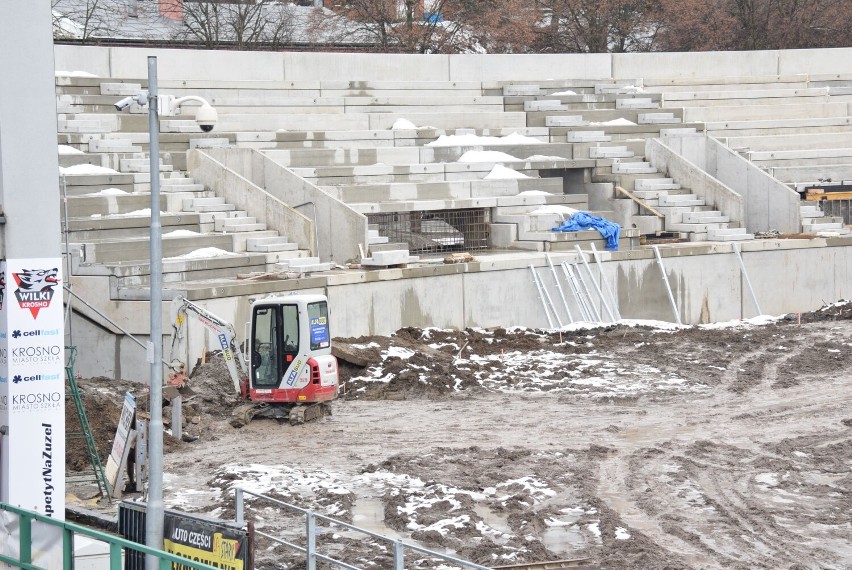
(356,174)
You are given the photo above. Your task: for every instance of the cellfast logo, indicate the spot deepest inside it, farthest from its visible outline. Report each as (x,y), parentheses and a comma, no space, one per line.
(36,332)
(17,378)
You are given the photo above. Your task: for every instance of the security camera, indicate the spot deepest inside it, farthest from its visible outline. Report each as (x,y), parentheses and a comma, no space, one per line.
(206,117)
(124,103)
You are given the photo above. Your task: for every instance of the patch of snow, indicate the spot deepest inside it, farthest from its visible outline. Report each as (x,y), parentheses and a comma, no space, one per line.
(87,169)
(109,192)
(615,123)
(500,172)
(402,353)
(182,233)
(564,211)
(544,158)
(595,529)
(75,74)
(403,125)
(754,321)
(567,92)
(621,533)
(142,212)
(65,150)
(632,89)
(477,140)
(768,479)
(486,156)
(204,252)
(534,193)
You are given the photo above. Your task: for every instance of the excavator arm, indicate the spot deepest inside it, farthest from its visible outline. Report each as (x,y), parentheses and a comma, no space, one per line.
(182,310)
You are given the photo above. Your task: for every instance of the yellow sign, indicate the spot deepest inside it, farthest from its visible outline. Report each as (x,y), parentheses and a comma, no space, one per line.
(223,554)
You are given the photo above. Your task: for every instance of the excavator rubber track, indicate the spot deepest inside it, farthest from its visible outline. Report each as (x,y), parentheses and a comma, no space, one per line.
(296,414)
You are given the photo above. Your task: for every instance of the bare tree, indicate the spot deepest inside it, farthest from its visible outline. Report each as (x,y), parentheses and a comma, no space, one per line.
(240,24)
(82,19)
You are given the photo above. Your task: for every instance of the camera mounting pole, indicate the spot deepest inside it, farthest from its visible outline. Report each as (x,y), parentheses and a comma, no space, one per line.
(154,517)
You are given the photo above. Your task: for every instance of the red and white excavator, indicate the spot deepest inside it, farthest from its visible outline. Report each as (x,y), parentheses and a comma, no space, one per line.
(289,372)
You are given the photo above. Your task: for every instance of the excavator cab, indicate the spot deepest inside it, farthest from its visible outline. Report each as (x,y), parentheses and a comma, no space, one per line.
(290,359)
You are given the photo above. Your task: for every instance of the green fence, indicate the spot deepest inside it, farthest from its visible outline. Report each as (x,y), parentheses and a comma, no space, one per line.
(69,530)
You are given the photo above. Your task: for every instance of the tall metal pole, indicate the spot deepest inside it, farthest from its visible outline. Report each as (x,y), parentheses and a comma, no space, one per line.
(154,517)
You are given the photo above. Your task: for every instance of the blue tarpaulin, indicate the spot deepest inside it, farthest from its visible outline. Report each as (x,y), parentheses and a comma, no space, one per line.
(585,221)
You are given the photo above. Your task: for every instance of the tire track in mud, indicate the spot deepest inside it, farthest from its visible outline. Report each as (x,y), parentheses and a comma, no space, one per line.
(613,490)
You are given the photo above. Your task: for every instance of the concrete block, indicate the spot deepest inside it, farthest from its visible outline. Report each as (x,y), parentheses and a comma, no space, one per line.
(521,90)
(564,121)
(544,105)
(610,152)
(637,103)
(657,118)
(587,136)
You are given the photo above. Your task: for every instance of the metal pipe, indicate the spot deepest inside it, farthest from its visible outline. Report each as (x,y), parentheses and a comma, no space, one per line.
(541,296)
(572,282)
(154,518)
(550,301)
(666,282)
(559,287)
(613,301)
(311,541)
(595,283)
(67,276)
(747,280)
(110,321)
(593,310)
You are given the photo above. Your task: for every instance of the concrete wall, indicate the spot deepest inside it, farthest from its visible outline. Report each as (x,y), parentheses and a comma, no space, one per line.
(255,201)
(768,203)
(339,228)
(788,276)
(175,64)
(695,178)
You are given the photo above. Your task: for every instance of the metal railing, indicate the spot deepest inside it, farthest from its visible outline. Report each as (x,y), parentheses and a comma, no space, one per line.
(24,559)
(398,547)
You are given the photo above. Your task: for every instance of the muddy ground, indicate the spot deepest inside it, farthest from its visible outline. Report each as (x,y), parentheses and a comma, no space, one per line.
(632,447)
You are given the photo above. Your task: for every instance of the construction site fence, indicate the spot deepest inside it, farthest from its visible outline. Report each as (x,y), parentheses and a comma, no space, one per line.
(28,521)
(312,519)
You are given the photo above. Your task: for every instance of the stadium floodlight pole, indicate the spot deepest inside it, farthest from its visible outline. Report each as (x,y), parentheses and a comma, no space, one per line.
(154,515)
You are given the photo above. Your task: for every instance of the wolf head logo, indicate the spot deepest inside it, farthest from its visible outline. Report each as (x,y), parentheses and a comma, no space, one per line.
(35,288)
(37,279)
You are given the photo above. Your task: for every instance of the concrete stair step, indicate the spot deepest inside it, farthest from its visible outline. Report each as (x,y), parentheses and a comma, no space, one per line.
(654,184)
(692,228)
(168,186)
(810,212)
(565,121)
(388,257)
(658,118)
(681,200)
(728,234)
(705,217)
(138,165)
(610,152)
(387,246)
(821,226)
(373,237)
(587,136)
(270,244)
(241,224)
(303,265)
(113,145)
(636,103)
(633,168)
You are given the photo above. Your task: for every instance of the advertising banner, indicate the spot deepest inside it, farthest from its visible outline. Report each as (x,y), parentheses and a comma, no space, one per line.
(32,391)
(117,459)
(203,541)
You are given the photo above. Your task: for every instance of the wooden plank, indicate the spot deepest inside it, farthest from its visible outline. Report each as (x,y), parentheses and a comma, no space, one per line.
(816,196)
(638,201)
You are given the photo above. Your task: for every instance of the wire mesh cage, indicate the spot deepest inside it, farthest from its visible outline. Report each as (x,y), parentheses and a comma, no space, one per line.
(437,231)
